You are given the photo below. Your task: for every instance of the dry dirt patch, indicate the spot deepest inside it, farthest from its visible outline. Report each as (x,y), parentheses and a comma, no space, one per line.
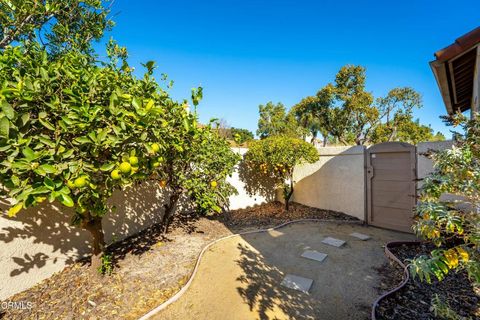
(239,278)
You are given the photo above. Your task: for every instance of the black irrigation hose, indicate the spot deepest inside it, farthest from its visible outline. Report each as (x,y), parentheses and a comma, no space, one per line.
(406,275)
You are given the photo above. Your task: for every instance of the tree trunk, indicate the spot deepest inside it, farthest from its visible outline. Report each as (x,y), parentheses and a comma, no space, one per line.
(288,195)
(324,140)
(94,226)
(170,210)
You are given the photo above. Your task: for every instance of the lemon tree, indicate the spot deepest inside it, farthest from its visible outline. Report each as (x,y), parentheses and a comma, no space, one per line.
(73,130)
(276,158)
(194,164)
(452,222)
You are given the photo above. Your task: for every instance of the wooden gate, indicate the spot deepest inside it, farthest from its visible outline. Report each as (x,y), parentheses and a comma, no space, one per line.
(391,173)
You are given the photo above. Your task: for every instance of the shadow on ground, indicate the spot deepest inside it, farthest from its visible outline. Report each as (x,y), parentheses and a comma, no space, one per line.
(245,272)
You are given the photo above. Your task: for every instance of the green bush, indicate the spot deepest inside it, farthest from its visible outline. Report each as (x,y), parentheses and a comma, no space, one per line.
(195,163)
(452,223)
(276,158)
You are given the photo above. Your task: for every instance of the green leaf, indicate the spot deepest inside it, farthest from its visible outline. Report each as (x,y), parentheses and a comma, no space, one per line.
(15,180)
(4,127)
(65,200)
(137,103)
(83,140)
(48,168)
(46,124)
(49,183)
(8,110)
(186,125)
(68,153)
(43,73)
(107,166)
(47,142)
(40,190)
(92,136)
(23,120)
(28,153)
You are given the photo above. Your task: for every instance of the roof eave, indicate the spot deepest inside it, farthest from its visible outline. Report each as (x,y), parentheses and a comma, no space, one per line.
(440,72)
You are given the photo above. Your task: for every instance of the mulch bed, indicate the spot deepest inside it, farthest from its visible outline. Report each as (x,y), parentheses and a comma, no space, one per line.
(150,267)
(414,301)
(272,214)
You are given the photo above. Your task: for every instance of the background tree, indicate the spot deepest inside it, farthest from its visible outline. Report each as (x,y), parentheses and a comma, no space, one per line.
(406,130)
(276,158)
(275,121)
(356,103)
(349,114)
(241,135)
(303,113)
(395,121)
(452,223)
(223,129)
(57,25)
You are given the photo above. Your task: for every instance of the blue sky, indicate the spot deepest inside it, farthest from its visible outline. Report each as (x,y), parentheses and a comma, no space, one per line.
(246,53)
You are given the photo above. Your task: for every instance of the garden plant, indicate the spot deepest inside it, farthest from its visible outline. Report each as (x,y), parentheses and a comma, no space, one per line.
(447,213)
(194,165)
(276,157)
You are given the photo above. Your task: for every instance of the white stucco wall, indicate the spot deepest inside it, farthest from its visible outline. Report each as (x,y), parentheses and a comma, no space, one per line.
(335,182)
(243,199)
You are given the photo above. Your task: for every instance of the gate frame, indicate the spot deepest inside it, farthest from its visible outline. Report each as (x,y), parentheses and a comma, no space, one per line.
(386,147)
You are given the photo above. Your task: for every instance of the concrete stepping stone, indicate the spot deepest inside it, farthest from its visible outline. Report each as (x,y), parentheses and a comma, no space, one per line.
(314,255)
(360,236)
(333,242)
(297,283)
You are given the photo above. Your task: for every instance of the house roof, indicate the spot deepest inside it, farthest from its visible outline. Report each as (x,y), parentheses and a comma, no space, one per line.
(454,70)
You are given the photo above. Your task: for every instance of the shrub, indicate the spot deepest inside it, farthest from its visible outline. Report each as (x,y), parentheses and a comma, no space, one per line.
(195,162)
(276,158)
(452,222)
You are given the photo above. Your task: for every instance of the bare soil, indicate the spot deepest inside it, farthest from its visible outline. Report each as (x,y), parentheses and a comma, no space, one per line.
(150,267)
(244,273)
(414,301)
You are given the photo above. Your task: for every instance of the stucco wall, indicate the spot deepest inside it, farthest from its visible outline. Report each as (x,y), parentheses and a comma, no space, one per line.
(40,241)
(335,182)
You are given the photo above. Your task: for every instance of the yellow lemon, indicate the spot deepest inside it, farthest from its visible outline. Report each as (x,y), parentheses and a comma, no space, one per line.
(115,174)
(213,184)
(125,167)
(133,160)
(80,182)
(70,184)
(463,254)
(155,147)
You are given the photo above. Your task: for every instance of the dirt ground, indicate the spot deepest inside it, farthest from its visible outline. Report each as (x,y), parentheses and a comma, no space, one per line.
(149,267)
(239,278)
